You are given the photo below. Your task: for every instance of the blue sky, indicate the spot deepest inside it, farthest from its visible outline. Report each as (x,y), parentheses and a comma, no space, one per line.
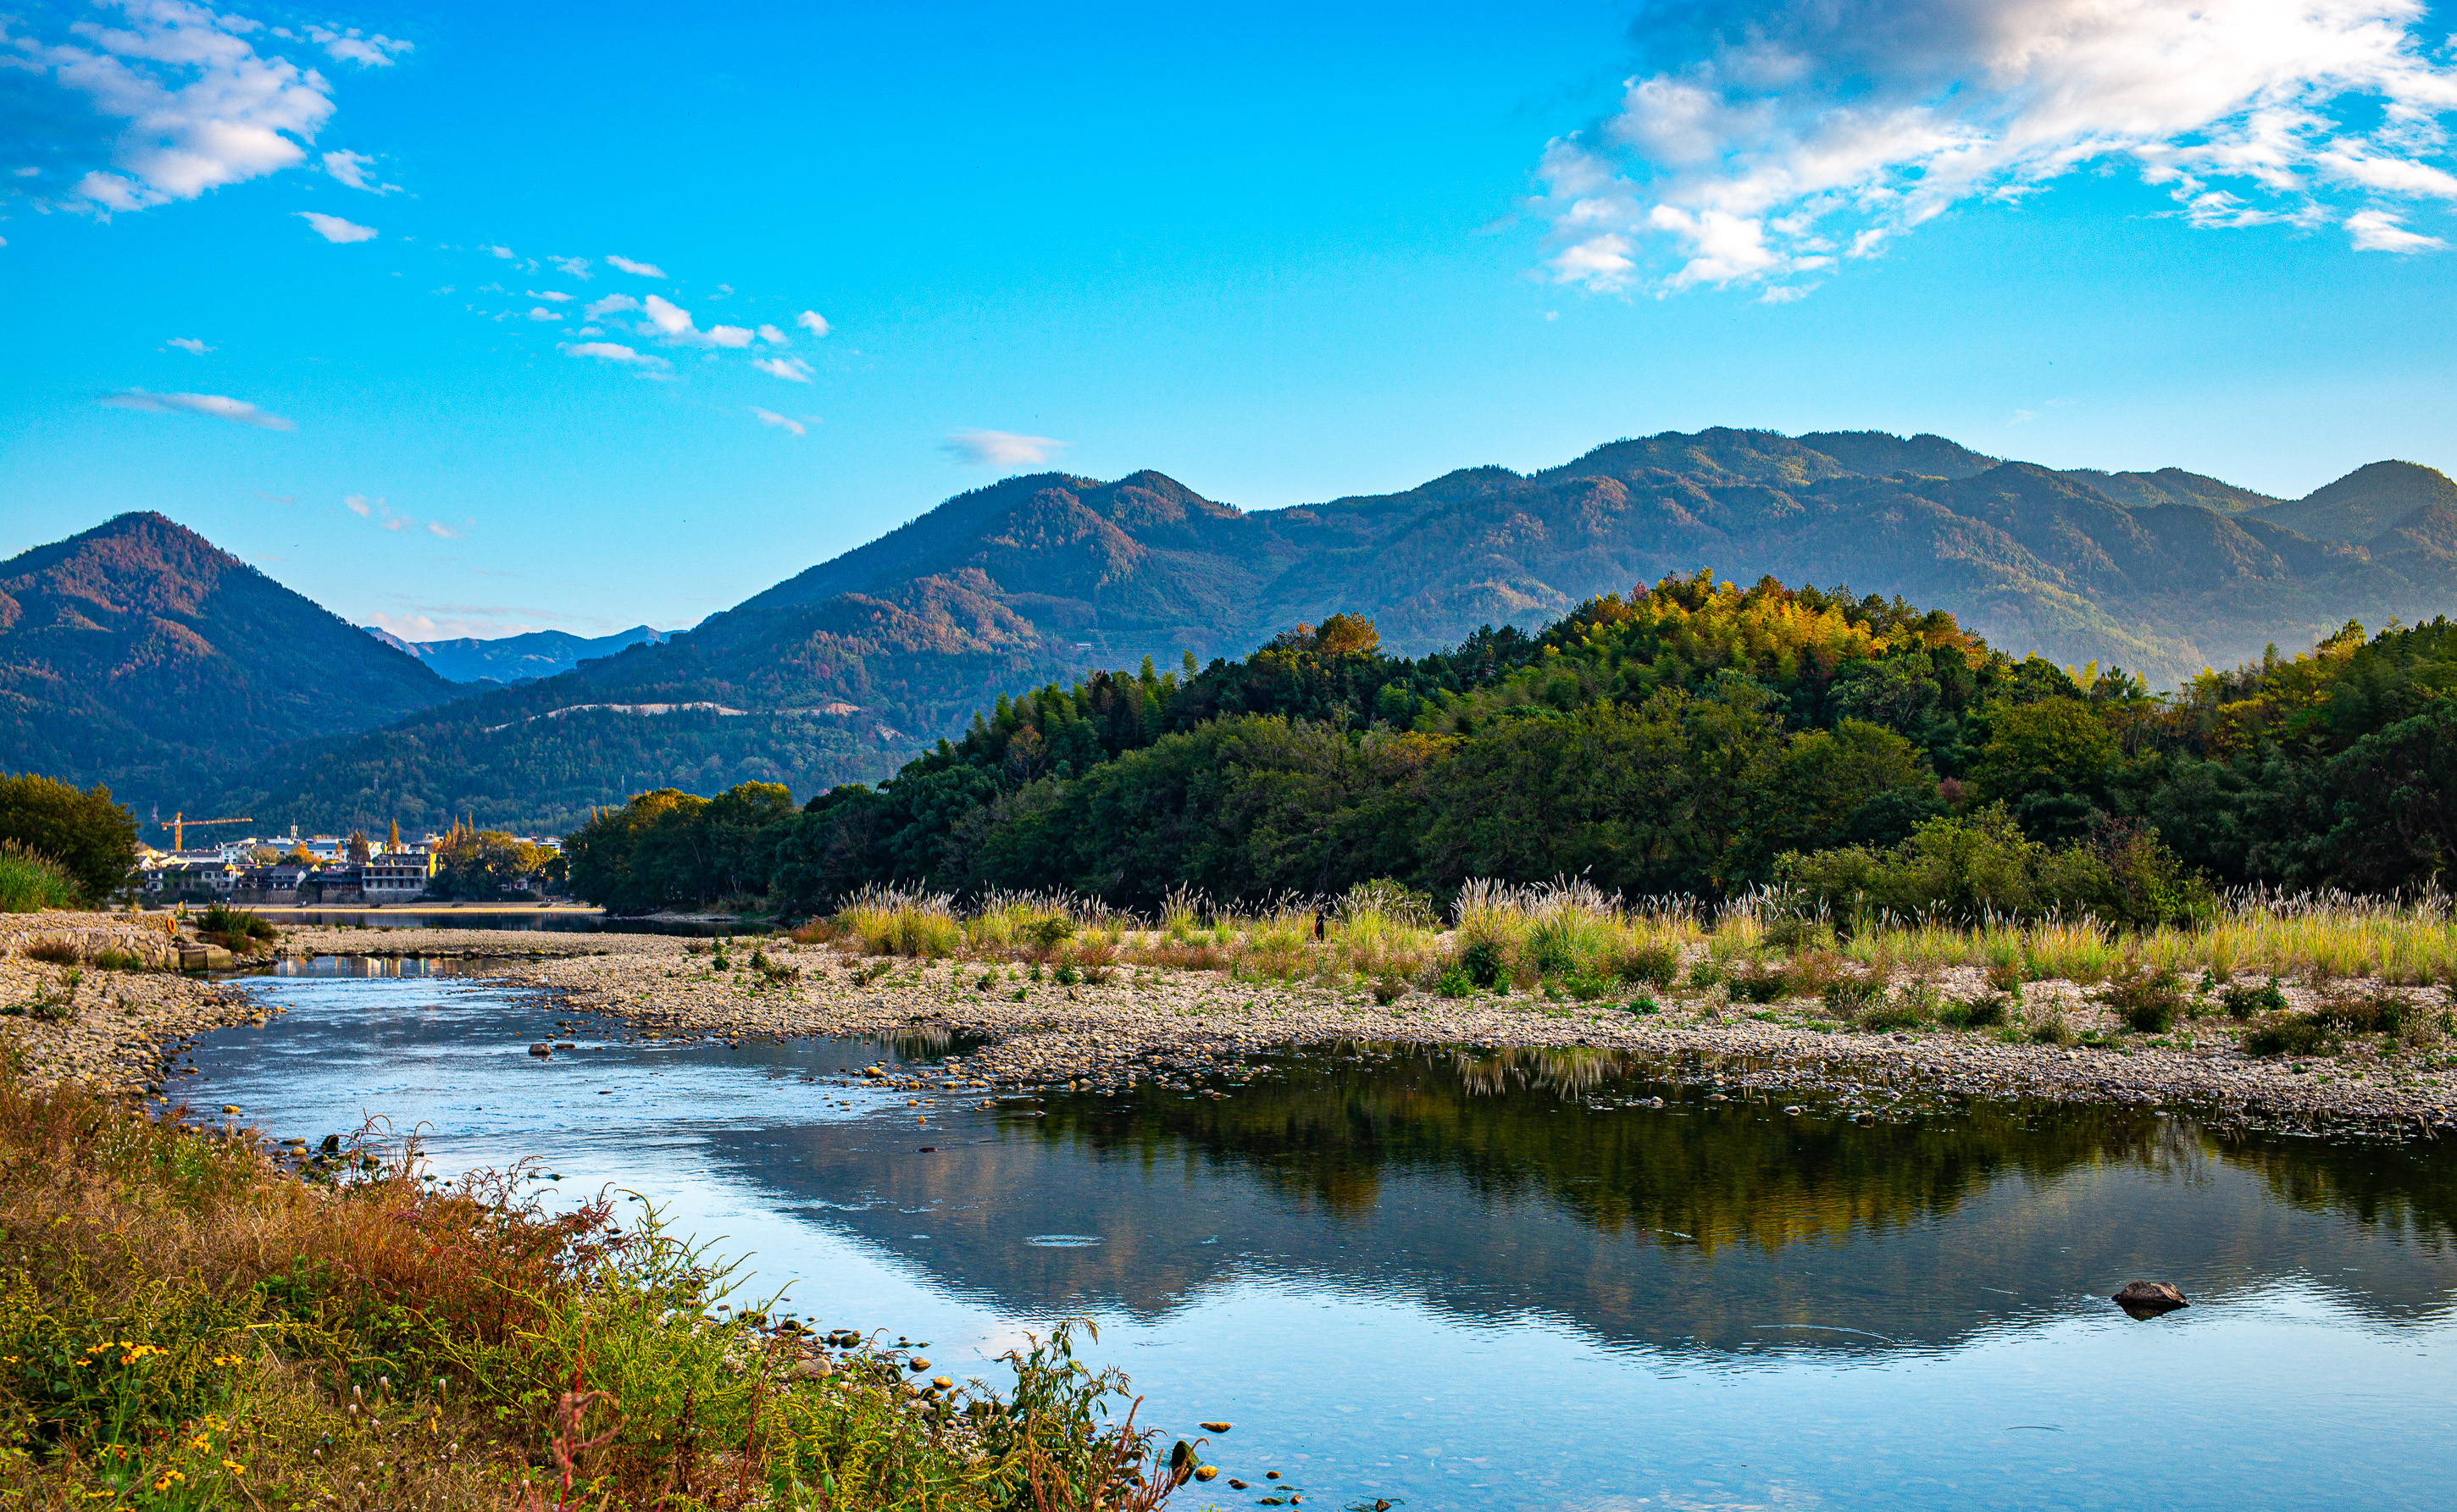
(1283,254)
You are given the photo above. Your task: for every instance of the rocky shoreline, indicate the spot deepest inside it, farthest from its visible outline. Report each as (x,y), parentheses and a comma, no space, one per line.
(114,1029)
(1146,1024)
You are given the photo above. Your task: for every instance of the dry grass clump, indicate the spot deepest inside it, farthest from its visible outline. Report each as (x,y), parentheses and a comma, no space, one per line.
(186,1324)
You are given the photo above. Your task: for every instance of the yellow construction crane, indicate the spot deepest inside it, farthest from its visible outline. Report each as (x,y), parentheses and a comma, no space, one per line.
(179,824)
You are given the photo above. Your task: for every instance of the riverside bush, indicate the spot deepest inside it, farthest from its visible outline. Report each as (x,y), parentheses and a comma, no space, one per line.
(1983,867)
(2241,1003)
(2148,1001)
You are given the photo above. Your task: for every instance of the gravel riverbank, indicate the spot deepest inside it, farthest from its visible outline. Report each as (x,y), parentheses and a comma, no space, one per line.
(1177,1027)
(111,1027)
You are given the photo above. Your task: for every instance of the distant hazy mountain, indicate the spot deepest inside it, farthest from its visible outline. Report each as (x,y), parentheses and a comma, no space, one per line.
(515,658)
(141,655)
(2365,503)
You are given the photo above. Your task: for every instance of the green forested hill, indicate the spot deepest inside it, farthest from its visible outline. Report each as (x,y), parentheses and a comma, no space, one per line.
(141,655)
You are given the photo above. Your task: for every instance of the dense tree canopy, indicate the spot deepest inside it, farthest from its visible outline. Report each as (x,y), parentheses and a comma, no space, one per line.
(1681,740)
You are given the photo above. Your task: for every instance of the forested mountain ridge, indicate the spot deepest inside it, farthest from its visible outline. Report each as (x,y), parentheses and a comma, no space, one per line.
(844,670)
(1050,575)
(140,654)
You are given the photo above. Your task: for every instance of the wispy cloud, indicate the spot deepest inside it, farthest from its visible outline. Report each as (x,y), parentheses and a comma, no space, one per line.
(571,267)
(219,406)
(333,227)
(2379,231)
(813,321)
(792,369)
(353,45)
(550,295)
(644,270)
(1000,448)
(189,344)
(782,422)
(172,100)
(542,313)
(1764,142)
(351,169)
(774,337)
(617,352)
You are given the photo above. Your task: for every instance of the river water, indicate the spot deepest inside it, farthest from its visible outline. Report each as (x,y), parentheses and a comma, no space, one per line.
(1502,1281)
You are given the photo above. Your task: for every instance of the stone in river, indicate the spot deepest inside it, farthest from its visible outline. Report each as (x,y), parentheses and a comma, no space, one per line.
(542,1051)
(1213,1427)
(2149,1299)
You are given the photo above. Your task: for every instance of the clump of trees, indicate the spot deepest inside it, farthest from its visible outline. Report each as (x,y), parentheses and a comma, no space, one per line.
(78,836)
(1687,739)
(485,866)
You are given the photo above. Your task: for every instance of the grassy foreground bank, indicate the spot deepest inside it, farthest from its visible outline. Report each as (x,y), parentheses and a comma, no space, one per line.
(186,1322)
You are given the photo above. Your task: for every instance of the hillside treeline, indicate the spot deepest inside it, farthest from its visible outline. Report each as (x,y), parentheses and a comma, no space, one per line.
(1681,740)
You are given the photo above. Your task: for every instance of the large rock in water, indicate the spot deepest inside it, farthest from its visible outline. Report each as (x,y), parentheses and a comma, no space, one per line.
(2149,1299)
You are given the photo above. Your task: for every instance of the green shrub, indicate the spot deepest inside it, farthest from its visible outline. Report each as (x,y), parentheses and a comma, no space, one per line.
(1654,962)
(2378,1011)
(236,928)
(2243,1002)
(1975,868)
(1911,1006)
(1454,982)
(1642,1004)
(2147,1001)
(1986,1011)
(1762,982)
(1483,963)
(2286,1034)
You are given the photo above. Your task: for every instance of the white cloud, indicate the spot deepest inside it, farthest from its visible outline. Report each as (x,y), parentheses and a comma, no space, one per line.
(1763,140)
(611,304)
(645,270)
(159,102)
(542,313)
(670,322)
(333,227)
(813,321)
(357,504)
(550,295)
(617,352)
(352,46)
(218,406)
(1000,448)
(780,421)
(438,528)
(571,267)
(351,169)
(2378,230)
(774,337)
(792,369)
(189,343)
(506,253)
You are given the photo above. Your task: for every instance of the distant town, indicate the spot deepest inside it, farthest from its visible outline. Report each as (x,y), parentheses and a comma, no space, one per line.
(315,871)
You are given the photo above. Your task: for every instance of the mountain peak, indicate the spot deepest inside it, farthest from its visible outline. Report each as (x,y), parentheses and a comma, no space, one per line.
(2367,502)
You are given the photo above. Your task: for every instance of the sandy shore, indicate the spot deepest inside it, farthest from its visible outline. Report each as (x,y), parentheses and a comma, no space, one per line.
(1170,1026)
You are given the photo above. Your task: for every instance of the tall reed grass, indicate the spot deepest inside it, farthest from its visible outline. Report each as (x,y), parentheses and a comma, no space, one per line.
(31,882)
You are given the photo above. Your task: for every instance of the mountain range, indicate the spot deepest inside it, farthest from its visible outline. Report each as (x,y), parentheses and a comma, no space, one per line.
(508,658)
(844,670)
